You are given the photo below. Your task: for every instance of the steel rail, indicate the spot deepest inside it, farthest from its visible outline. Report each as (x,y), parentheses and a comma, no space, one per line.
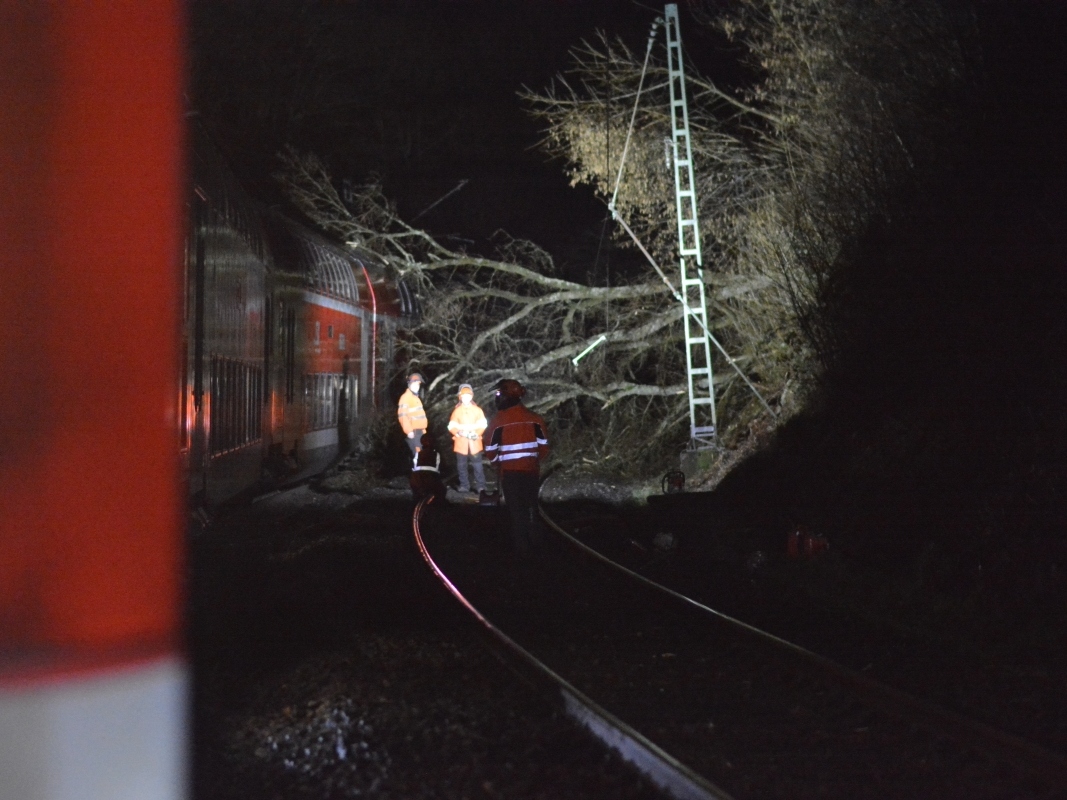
(1023,754)
(663,769)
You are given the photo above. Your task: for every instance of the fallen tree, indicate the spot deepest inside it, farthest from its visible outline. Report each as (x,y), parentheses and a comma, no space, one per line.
(791,170)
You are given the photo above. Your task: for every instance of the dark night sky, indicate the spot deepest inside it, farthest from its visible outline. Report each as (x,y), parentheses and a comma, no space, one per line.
(422,93)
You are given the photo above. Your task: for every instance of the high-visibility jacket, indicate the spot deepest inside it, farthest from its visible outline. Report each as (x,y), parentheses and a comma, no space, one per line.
(516,440)
(410,412)
(467,424)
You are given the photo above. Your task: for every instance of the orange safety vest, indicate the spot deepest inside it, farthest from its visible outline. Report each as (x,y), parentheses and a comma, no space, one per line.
(516,440)
(410,412)
(467,425)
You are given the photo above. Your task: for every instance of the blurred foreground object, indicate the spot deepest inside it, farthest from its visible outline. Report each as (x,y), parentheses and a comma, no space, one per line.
(92,680)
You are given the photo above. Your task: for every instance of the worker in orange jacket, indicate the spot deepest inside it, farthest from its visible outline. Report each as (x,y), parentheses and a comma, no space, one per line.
(467,424)
(516,441)
(412,415)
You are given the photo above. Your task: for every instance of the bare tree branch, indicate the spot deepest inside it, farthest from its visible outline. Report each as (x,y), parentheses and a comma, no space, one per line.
(790,171)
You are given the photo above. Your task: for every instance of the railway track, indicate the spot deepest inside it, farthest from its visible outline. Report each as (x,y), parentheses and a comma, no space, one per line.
(664,770)
(706,705)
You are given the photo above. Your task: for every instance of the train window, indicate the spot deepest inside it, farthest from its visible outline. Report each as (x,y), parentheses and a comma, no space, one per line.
(340,341)
(236,404)
(322,393)
(317,331)
(352,396)
(331,272)
(329,331)
(290,355)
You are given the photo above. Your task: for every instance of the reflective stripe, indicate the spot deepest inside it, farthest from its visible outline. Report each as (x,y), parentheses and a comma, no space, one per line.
(521,446)
(425,469)
(513,456)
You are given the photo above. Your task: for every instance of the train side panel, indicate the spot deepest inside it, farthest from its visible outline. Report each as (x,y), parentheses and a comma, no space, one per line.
(225,304)
(316,381)
(288,339)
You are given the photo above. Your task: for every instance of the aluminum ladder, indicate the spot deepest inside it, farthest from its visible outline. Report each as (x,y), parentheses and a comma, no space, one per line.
(702,417)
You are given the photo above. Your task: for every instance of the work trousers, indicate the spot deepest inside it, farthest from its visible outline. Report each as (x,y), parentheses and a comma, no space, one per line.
(520,496)
(414,443)
(475,461)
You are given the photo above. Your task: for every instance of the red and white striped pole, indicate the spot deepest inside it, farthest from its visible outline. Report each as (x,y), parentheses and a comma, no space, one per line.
(92,678)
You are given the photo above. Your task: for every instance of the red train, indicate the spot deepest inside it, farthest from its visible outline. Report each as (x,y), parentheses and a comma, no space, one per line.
(287,340)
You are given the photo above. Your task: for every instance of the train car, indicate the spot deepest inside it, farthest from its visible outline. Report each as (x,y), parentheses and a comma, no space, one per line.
(227,263)
(288,337)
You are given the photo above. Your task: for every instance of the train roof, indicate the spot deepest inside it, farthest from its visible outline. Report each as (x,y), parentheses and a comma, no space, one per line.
(348,274)
(324,266)
(218,188)
(352,275)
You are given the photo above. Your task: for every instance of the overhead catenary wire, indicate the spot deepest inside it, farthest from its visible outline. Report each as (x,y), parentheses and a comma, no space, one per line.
(618,217)
(441,199)
(633,116)
(703,326)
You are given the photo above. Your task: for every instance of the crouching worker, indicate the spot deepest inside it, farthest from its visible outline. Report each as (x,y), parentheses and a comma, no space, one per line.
(516,442)
(426,476)
(467,425)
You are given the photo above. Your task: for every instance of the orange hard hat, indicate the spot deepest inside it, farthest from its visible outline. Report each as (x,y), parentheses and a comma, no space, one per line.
(414,376)
(465,388)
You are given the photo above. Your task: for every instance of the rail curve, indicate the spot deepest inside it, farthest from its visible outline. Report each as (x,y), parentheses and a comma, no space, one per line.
(672,776)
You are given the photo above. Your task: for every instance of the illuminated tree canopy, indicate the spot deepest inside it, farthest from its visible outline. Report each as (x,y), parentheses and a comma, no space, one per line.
(838,115)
